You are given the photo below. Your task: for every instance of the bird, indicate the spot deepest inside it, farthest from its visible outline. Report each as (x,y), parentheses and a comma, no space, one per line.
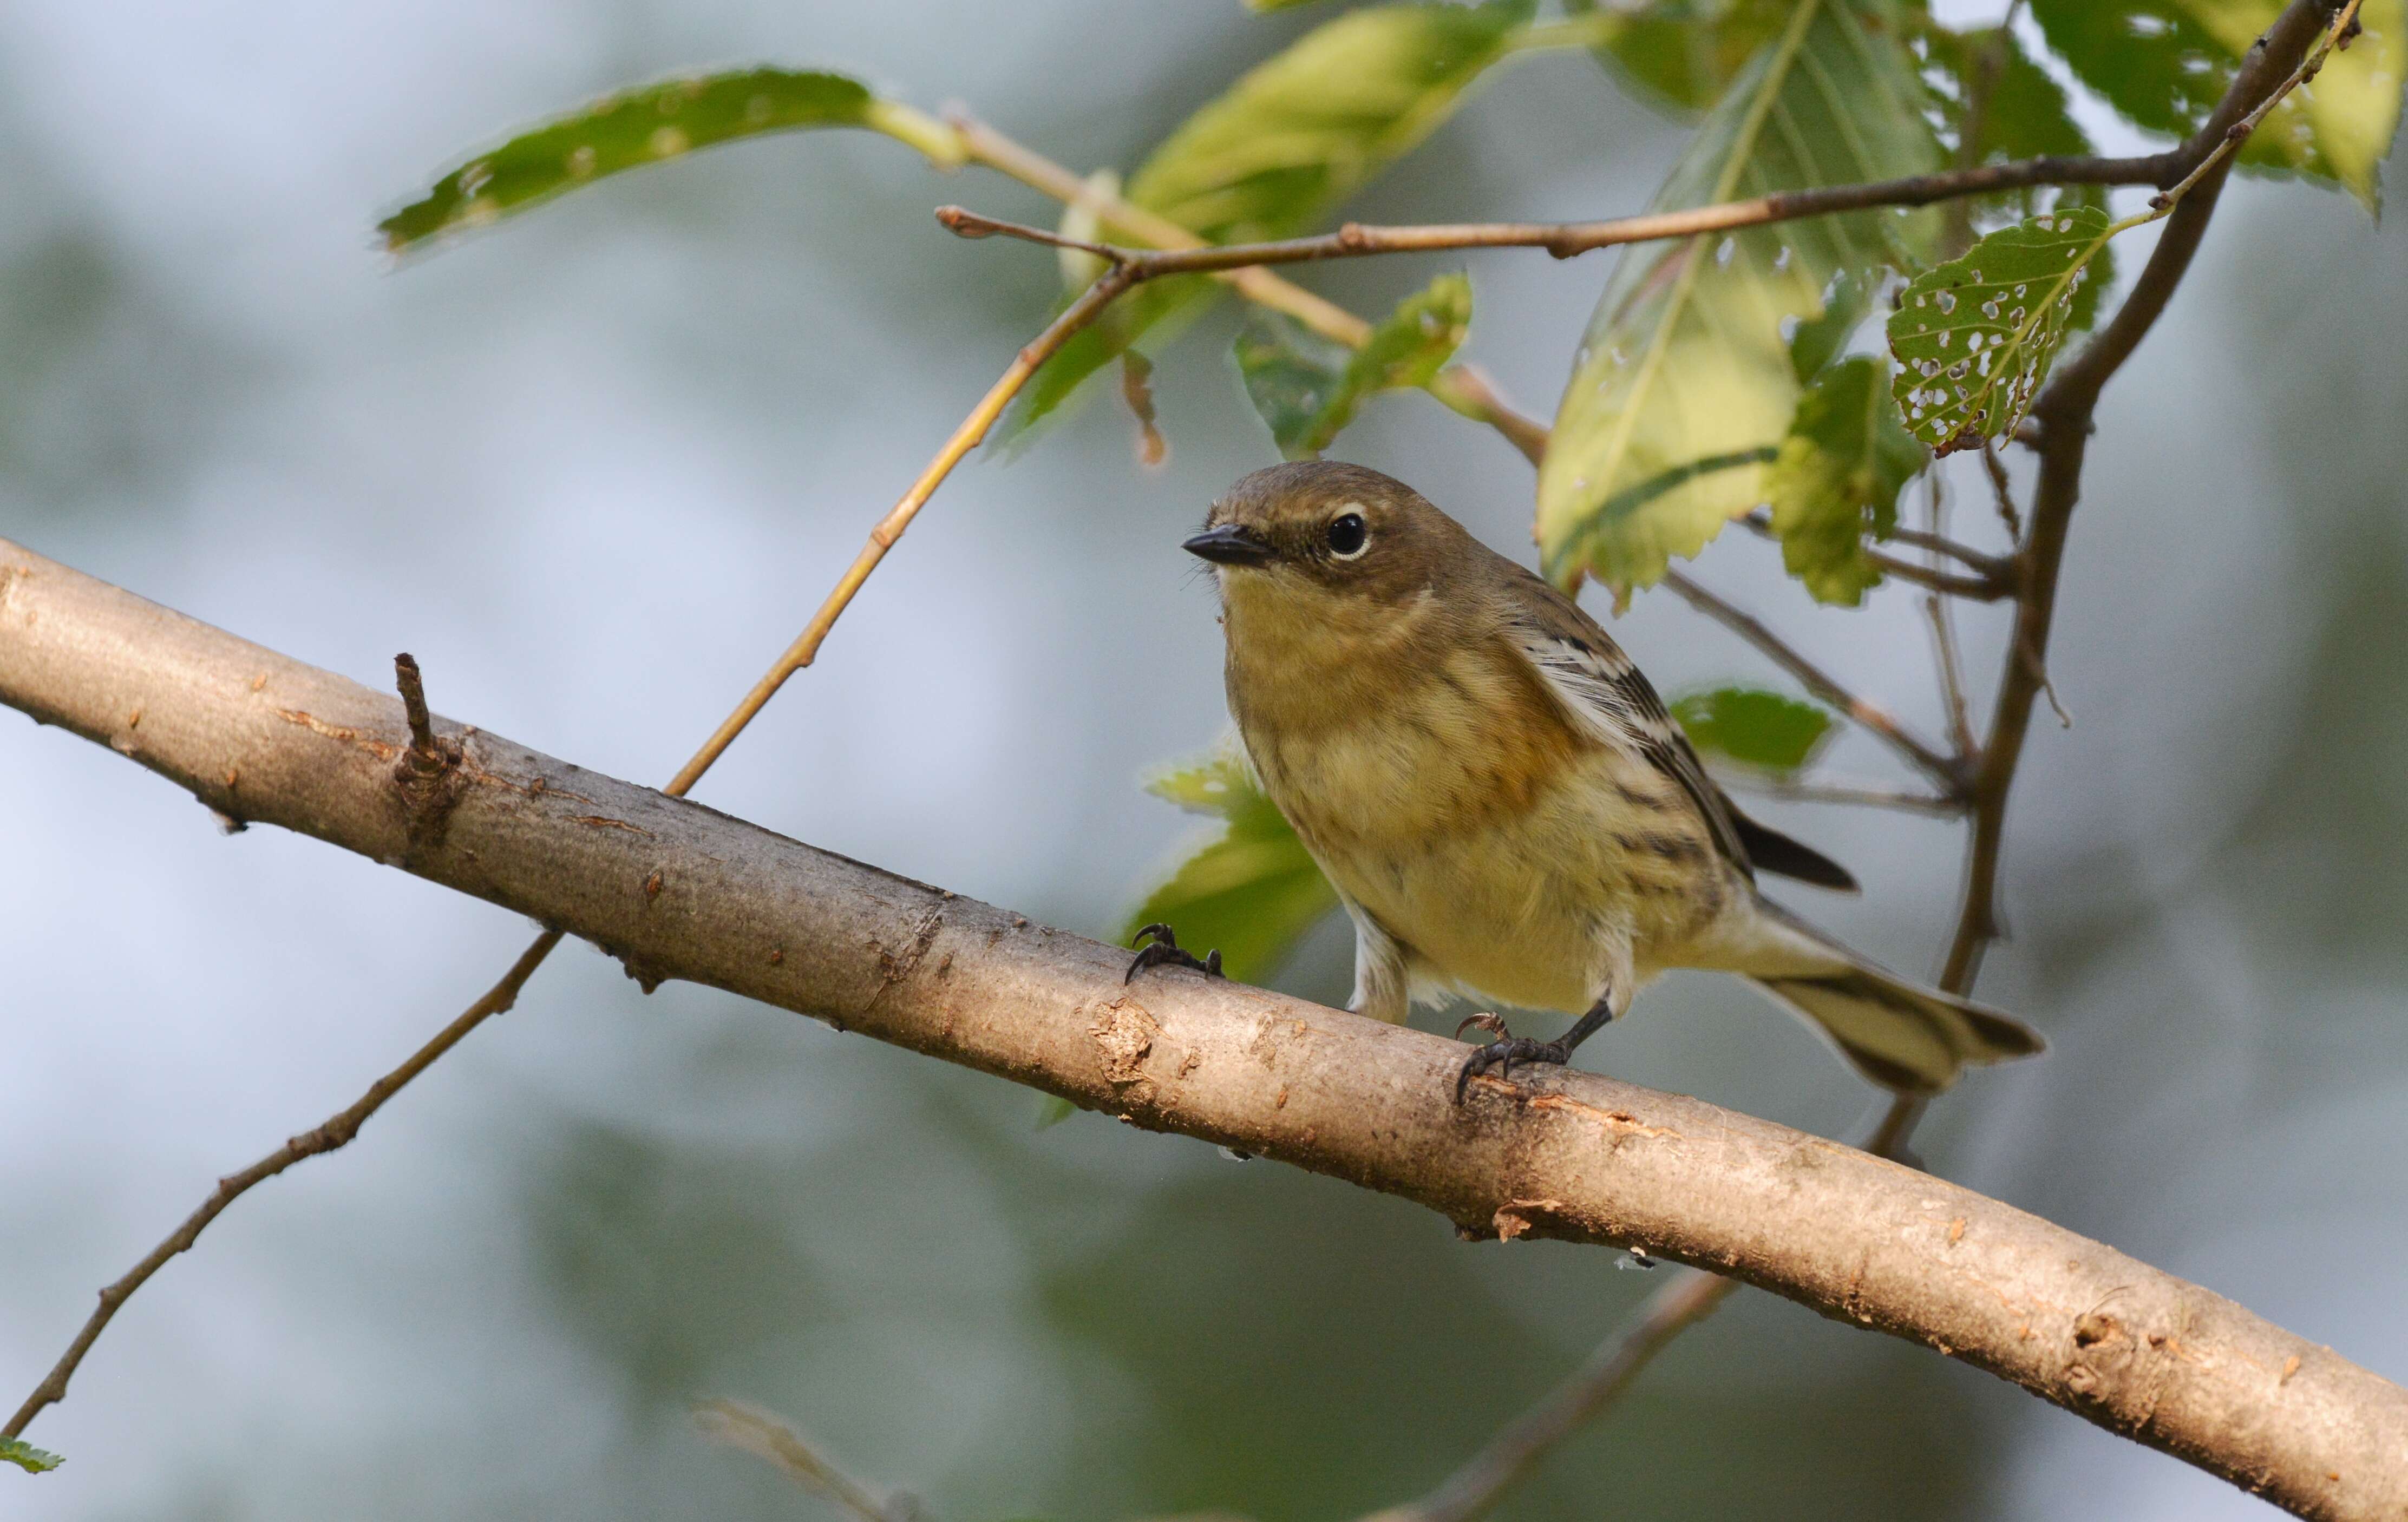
(1504,804)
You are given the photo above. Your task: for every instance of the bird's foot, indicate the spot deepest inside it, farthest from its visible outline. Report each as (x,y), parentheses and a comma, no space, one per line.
(1504,1052)
(1164,952)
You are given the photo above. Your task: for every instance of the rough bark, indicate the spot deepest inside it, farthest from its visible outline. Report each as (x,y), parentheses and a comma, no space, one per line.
(676,890)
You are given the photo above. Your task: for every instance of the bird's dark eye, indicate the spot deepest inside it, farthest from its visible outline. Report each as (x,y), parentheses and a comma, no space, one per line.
(1347,535)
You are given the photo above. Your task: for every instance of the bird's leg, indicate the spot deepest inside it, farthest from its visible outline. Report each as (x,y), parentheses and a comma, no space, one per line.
(1164,952)
(1506,1050)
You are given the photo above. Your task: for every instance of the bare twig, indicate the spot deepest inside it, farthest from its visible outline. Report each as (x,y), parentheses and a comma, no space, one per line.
(334,1133)
(1881,721)
(1860,795)
(412,686)
(1992,581)
(2002,491)
(806,647)
(1943,635)
(737,1424)
(1508,1459)
(1565,240)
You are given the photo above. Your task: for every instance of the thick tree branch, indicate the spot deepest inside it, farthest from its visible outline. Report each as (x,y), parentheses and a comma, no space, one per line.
(673,889)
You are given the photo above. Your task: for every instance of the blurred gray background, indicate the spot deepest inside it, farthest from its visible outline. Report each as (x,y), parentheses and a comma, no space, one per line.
(595,467)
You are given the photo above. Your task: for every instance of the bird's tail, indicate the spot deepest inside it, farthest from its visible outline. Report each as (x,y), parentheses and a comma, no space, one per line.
(1896,1032)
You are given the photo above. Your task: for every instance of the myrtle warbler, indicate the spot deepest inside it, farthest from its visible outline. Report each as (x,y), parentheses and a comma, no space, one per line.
(1503,801)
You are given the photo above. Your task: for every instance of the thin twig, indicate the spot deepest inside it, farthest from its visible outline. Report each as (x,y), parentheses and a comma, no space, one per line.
(1880,721)
(1982,562)
(806,647)
(753,1430)
(1992,578)
(2002,491)
(1508,1459)
(1566,240)
(336,1131)
(1944,630)
(1861,795)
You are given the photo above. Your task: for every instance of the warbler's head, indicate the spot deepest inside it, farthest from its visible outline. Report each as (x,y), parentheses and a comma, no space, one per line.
(1320,531)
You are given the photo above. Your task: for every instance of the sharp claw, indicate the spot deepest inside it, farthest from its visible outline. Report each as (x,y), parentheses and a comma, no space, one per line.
(1493,1024)
(1504,1054)
(1164,951)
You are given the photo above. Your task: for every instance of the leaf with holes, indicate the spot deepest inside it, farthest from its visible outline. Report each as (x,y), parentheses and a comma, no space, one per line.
(1249,892)
(1307,388)
(1283,150)
(2027,115)
(2164,64)
(1837,476)
(26,1456)
(1975,336)
(1684,386)
(1756,729)
(652,124)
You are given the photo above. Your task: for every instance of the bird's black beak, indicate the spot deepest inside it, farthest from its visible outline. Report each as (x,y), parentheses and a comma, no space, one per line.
(1229,545)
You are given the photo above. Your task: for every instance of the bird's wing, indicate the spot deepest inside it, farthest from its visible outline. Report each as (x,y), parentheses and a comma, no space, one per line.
(1608,696)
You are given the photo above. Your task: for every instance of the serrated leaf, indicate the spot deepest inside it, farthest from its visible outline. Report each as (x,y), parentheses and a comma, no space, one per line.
(1307,388)
(1684,385)
(650,124)
(1753,727)
(2164,64)
(1975,336)
(26,1456)
(1837,476)
(1684,53)
(1283,150)
(1252,893)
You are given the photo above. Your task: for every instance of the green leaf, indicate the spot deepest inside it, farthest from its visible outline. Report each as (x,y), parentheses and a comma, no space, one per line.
(1284,148)
(1252,891)
(2164,64)
(652,124)
(26,1456)
(1837,476)
(1684,53)
(1753,727)
(1975,336)
(1307,388)
(1685,385)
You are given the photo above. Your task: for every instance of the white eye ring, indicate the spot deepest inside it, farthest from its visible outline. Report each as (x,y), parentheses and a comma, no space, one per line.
(1361,534)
